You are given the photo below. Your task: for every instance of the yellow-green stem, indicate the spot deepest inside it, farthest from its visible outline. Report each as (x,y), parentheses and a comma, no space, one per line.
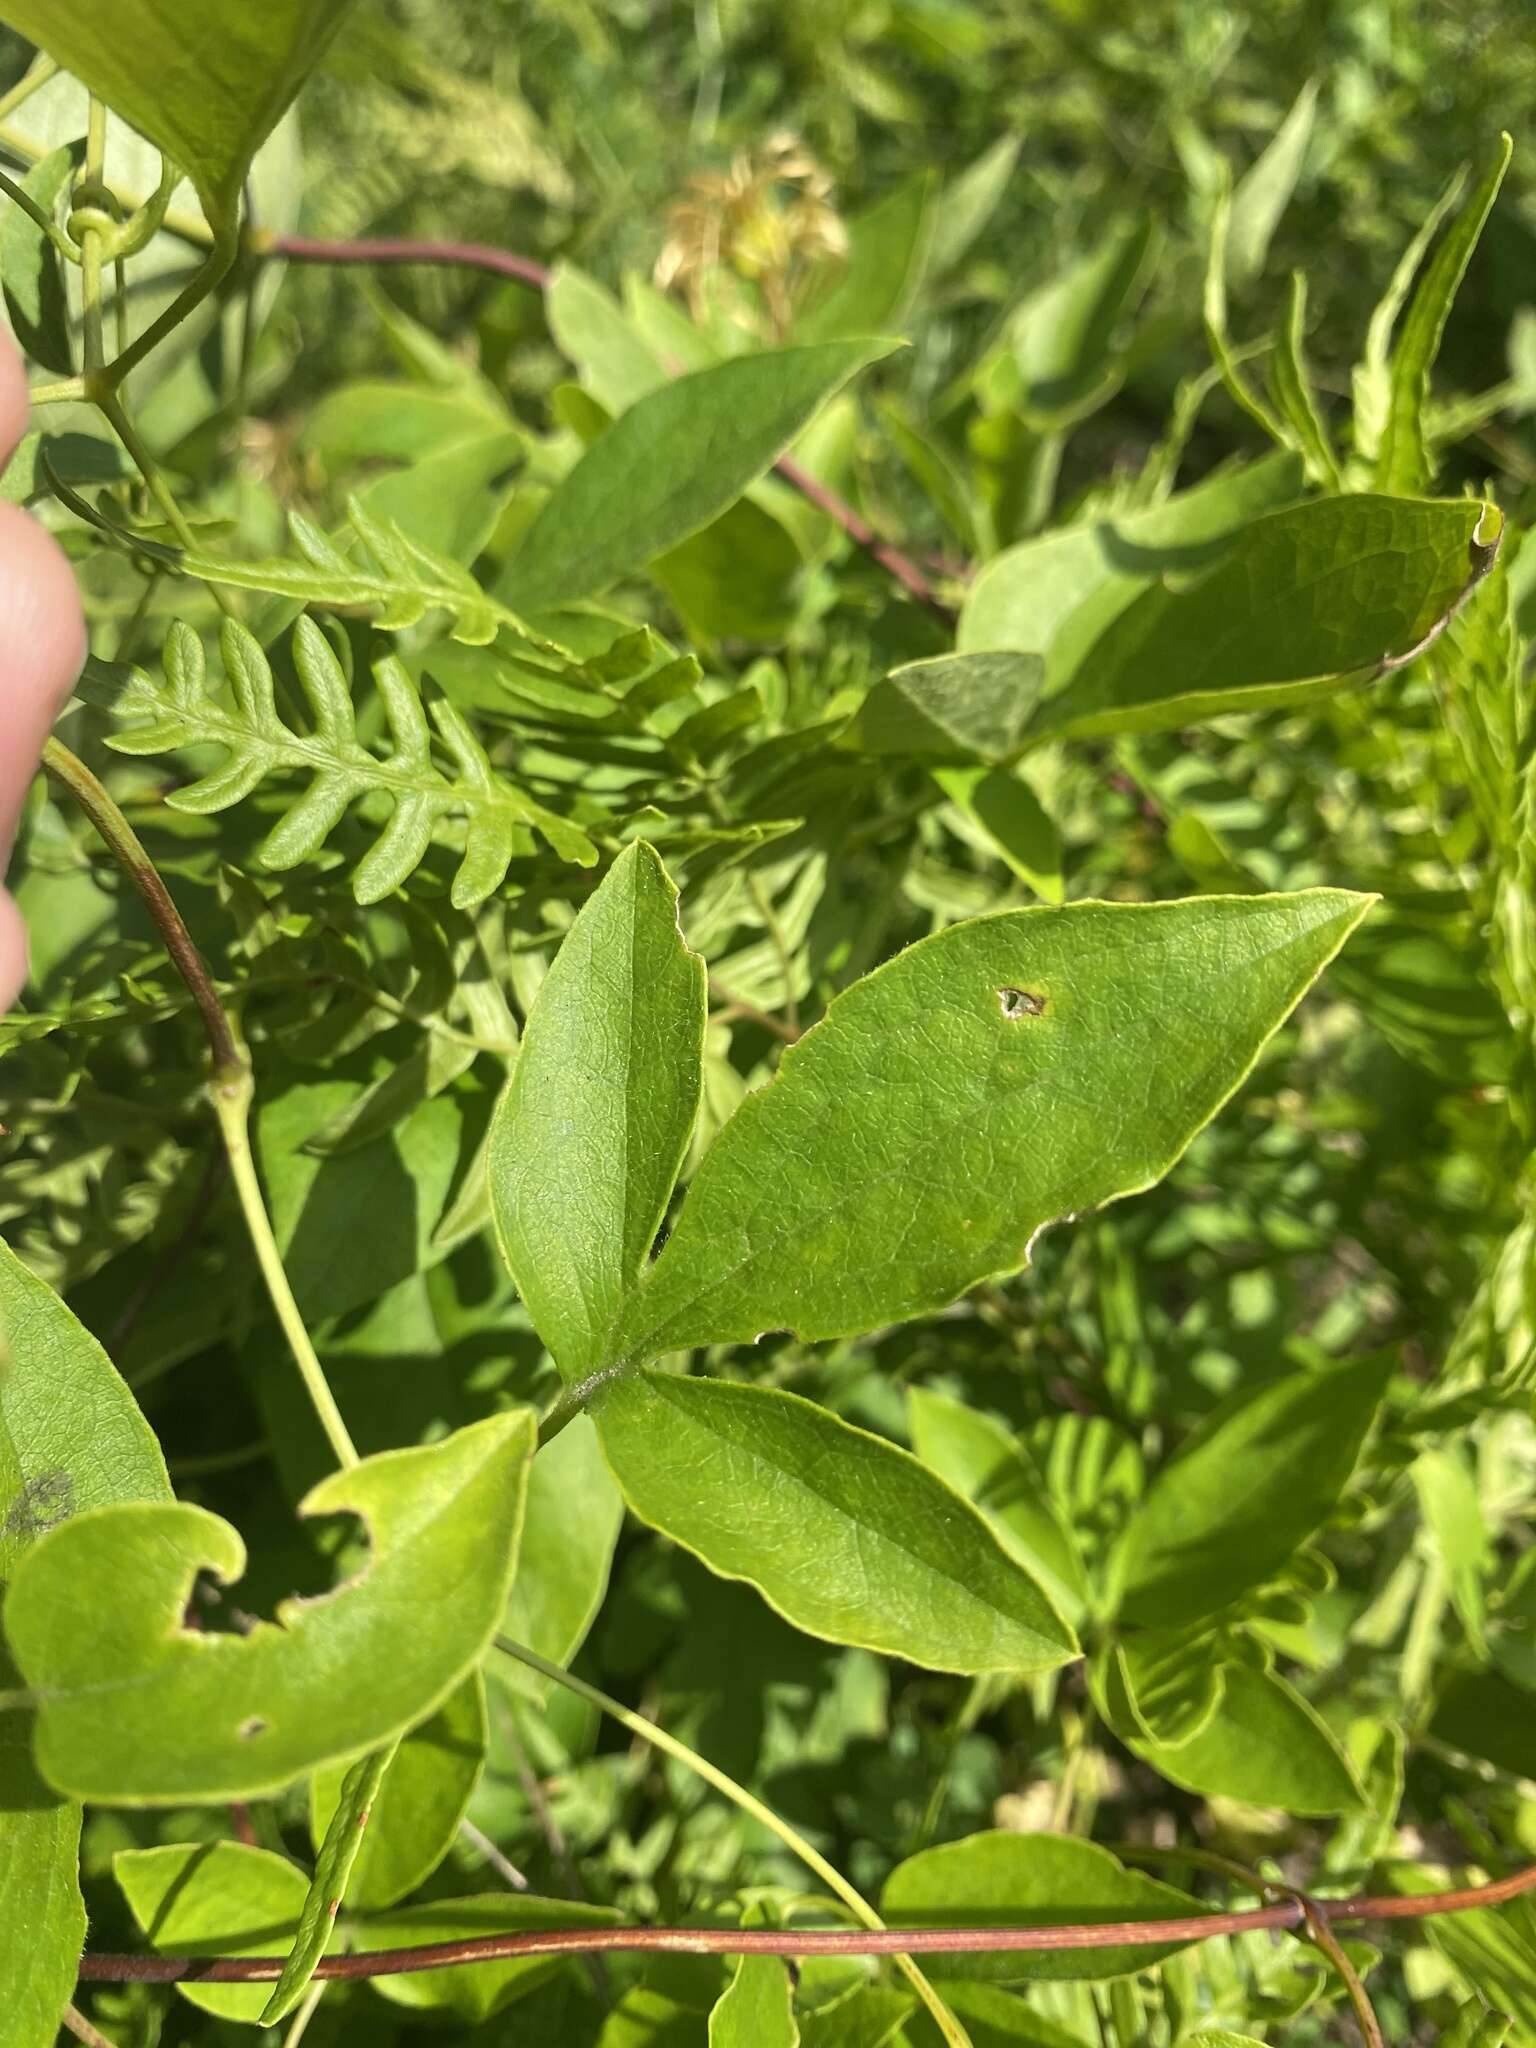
(949,2027)
(37,74)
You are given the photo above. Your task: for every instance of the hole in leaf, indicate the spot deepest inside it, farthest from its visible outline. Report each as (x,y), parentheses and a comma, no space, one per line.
(250,1729)
(1020,1002)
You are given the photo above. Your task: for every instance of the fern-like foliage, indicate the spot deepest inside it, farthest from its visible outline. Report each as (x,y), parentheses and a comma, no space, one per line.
(390,576)
(180,711)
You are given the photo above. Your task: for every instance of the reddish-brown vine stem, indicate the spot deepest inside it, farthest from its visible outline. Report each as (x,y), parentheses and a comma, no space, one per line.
(1290,1913)
(523,270)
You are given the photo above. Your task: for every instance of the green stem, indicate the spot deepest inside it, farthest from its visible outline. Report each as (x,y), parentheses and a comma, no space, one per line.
(29,206)
(949,2027)
(91,242)
(232,1105)
(37,75)
(113,411)
(186,302)
(67,391)
(230,1086)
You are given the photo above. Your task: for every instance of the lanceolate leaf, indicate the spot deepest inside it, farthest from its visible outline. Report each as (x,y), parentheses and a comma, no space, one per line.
(998,1077)
(417,1809)
(328,1886)
(1305,600)
(673,462)
(1011,1880)
(138,1709)
(847,1536)
(1403,463)
(71,1438)
(207,86)
(588,1140)
(497,819)
(1263,1473)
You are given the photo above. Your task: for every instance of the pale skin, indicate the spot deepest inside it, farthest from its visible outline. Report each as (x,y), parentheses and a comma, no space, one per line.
(42,644)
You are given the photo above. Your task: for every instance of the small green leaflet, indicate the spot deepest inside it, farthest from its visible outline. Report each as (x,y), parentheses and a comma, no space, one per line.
(32,271)
(328,1887)
(137,1709)
(1001,1879)
(1403,463)
(71,1438)
(755,2009)
(672,463)
(847,1536)
(1007,1073)
(588,1139)
(954,707)
(206,87)
(1263,1744)
(1264,1472)
(417,1809)
(1306,600)
(214,1899)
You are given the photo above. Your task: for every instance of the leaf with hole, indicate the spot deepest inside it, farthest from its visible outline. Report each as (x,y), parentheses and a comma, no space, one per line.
(138,1708)
(1003,1075)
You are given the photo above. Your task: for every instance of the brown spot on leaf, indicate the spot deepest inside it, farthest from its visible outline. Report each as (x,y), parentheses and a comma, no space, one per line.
(1020,1002)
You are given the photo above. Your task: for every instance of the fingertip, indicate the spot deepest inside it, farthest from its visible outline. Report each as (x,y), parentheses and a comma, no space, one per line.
(13,951)
(13,395)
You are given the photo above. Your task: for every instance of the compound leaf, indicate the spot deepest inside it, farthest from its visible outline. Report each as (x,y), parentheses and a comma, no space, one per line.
(847,1536)
(1004,1074)
(138,1709)
(588,1139)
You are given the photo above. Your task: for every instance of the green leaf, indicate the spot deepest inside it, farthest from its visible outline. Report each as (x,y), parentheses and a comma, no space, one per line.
(570,1527)
(417,1809)
(1403,463)
(206,88)
(1262,194)
(871,2018)
(998,2018)
(380,419)
(956,707)
(968,202)
(1012,820)
(30,267)
(214,1899)
(887,254)
(1054,595)
(71,1438)
(496,818)
(449,500)
(328,1887)
(472,1992)
(987,1463)
(845,1535)
(988,1081)
(1261,1474)
(1001,1879)
(1264,1745)
(587,1142)
(137,1709)
(1482,1714)
(672,463)
(1453,1514)
(1061,363)
(755,2009)
(1317,598)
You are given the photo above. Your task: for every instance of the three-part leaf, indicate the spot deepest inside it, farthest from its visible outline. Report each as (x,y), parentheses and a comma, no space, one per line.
(589,1137)
(137,1708)
(1002,1075)
(846,1535)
